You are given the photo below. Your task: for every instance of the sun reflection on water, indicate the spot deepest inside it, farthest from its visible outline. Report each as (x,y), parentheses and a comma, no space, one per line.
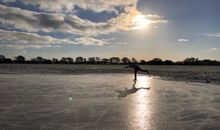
(141,109)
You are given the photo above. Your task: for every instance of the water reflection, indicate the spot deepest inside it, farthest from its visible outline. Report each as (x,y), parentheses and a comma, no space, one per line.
(138,107)
(142,110)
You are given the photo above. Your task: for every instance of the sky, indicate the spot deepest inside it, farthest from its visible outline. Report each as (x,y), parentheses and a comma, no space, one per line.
(144,29)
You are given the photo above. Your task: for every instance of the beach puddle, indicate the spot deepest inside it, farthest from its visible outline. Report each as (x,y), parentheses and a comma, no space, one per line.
(106,101)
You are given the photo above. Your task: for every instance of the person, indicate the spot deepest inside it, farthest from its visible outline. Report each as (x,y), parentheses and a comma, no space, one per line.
(136,69)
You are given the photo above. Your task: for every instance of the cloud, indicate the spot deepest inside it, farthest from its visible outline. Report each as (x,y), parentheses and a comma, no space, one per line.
(70,23)
(183,40)
(213,49)
(49,22)
(22,40)
(62,17)
(22,47)
(70,5)
(8,1)
(212,34)
(121,43)
(91,41)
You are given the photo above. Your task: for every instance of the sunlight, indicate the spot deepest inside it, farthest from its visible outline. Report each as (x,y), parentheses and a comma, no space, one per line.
(143,81)
(142,111)
(142,107)
(140,21)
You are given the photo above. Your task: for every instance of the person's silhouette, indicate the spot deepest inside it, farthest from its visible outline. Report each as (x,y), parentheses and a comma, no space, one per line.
(136,69)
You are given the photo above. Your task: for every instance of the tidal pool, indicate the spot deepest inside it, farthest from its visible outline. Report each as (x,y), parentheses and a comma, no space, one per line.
(106,102)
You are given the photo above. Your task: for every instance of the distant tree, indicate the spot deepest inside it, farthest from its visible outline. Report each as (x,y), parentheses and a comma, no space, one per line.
(91,60)
(97,59)
(179,63)
(2,58)
(63,60)
(55,61)
(40,59)
(114,60)
(105,60)
(214,62)
(190,61)
(33,61)
(143,62)
(84,60)
(69,60)
(79,59)
(8,60)
(133,60)
(125,60)
(19,59)
(155,61)
(206,62)
(168,62)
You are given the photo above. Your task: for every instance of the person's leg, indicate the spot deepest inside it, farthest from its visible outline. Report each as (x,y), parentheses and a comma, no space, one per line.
(135,74)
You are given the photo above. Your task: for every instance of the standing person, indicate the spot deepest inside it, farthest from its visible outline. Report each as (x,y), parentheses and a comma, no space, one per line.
(136,68)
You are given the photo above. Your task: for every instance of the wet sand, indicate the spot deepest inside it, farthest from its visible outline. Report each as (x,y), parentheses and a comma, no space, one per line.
(92,101)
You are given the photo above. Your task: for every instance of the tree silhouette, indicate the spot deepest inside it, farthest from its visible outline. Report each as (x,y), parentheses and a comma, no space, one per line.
(20,59)
(2,58)
(69,60)
(114,60)
(143,62)
(104,61)
(55,61)
(168,62)
(97,59)
(63,60)
(91,60)
(190,61)
(125,60)
(155,61)
(79,59)
(133,60)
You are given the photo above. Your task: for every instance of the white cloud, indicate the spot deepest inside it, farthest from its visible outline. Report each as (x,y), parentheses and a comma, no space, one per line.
(70,23)
(183,40)
(55,18)
(69,5)
(22,40)
(213,49)
(212,34)
(22,47)
(49,22)
(121,43)
(91,41)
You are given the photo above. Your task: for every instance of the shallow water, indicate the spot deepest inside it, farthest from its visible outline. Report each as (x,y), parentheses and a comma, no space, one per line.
(106,101)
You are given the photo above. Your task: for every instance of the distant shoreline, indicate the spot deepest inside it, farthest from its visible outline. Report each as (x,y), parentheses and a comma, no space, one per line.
(204,74)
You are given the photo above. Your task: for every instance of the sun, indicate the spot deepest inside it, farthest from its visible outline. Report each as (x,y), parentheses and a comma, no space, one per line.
(140,21)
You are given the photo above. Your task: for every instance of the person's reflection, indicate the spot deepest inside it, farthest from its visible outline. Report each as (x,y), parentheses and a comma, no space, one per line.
(127,91)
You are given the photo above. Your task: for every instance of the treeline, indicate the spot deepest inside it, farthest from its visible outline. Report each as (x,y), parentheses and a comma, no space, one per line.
(112,60)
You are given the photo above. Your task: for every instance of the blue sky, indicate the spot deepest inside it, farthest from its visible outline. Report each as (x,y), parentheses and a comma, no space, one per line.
(144,29)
